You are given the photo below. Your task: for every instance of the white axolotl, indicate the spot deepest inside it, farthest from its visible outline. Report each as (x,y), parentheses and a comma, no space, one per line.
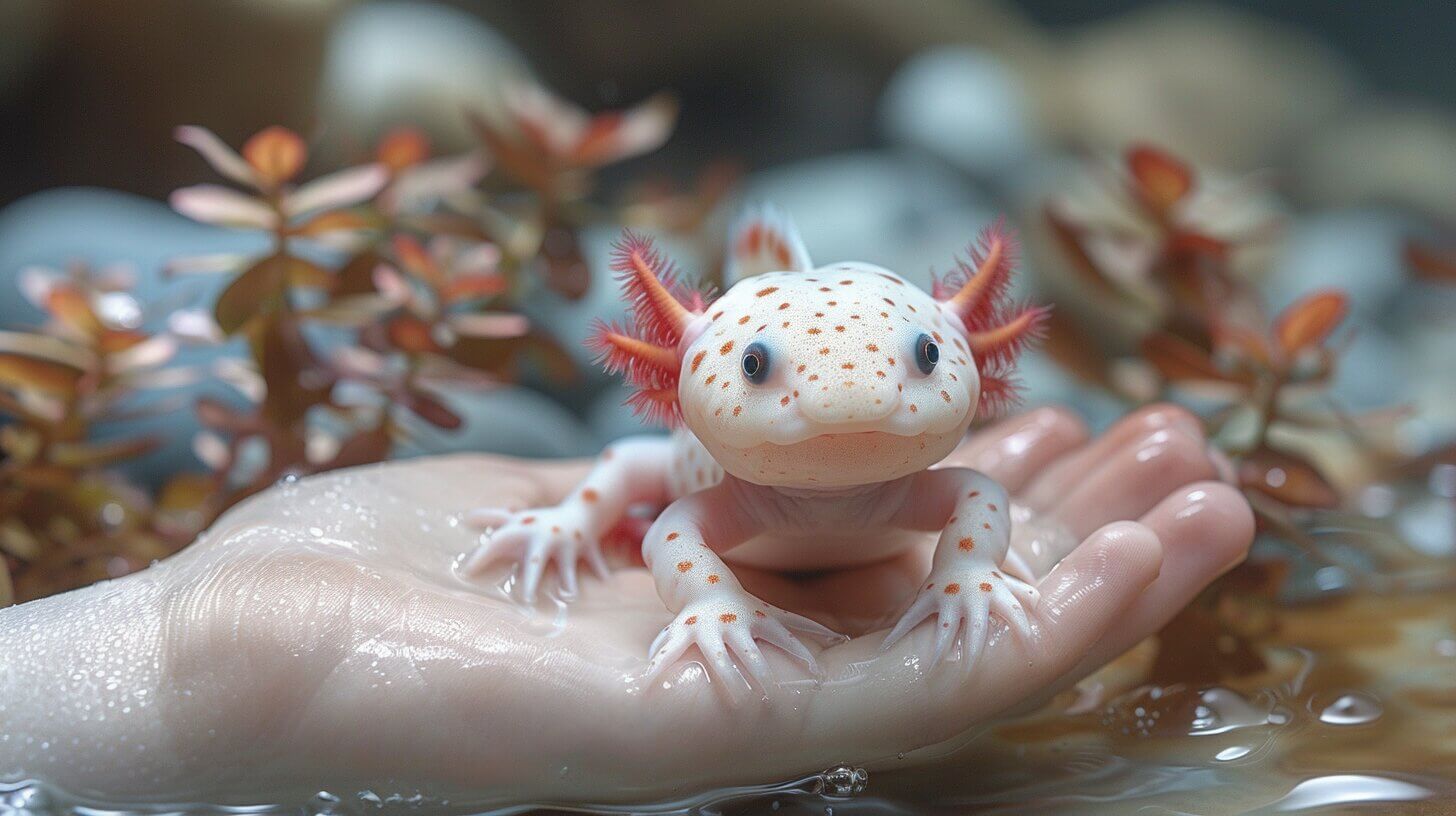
(810,405)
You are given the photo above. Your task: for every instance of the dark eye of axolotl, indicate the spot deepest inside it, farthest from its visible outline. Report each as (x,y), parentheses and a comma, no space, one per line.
(927,353)
(755,362)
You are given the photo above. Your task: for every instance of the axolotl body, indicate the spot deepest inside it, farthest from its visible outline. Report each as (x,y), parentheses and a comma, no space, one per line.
(810,405)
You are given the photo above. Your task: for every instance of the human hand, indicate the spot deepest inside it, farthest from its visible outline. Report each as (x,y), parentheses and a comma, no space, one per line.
(321,636)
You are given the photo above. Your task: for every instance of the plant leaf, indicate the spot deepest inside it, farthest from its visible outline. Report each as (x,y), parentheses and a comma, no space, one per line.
(1308,321)
(1159,179)
(345,188)
(20,372)
(276,154)
(258,290)
(432,410)
(100,454)
(222,206)
(215,152)
(1287,478)
(1179,360)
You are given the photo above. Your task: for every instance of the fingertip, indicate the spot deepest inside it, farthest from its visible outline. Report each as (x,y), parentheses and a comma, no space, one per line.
(1212,516)
(1130,546)
(1168,415)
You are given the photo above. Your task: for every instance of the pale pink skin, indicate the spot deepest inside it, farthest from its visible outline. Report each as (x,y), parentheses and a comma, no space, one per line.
(825,464)
(318,638)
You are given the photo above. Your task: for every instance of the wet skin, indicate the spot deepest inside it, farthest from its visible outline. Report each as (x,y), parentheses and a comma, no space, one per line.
(321,636)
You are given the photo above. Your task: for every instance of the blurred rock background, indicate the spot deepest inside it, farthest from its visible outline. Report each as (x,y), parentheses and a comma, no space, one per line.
(891,132)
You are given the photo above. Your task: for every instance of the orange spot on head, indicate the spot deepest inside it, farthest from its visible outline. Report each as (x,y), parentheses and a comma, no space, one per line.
(737,409)
(973,494)
(728,617)
(967,544)
(713,579)
(783,305)
(698,360)
(767,290)
(743,320)
(986,526)
(824,288)
(952,589)
(528,520)
(672,536)
(709,380)
(590,495)
(945,396)
(846,366)
(785,400)
(717,314)
(839,328)
(824,350)
(800,369)
(813,377)
(845,283)
(684,566)
(872,347)
(691,619)
(993,507)
(914,409)
(937,337)
(985,587)
(726,347)
(814,330)
(880,374)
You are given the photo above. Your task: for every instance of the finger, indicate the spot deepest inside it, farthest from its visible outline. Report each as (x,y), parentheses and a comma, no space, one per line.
(1010,610)
(1013,450)
(1061,476)
(725,672)
(1134,478)
(751,659)
(531,572)
(947,628)
(774,633)
(918,611)
(566,561)
(597,562)
(977,629)
(490,550)
(483,517)
(893,702)
(669,653)
(810,627)
(1206,529)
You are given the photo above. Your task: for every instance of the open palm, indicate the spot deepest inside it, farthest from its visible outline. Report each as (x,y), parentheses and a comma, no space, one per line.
(321,636)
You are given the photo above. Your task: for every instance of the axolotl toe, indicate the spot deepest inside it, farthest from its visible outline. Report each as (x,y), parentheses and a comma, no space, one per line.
(809,406)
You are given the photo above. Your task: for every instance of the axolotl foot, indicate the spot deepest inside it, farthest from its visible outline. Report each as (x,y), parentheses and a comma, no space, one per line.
(563,535)
(969,596)
(735,622)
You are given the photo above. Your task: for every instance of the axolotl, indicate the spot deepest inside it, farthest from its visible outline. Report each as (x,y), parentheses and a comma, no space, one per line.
(809,406)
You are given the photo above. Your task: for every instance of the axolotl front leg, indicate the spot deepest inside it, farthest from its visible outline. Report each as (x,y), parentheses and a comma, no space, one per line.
(713,610)
(967,583)
(630,472)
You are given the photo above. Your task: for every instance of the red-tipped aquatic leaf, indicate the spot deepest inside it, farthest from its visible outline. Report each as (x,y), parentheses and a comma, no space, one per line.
(1159,179)
(1309,321)
(276,154)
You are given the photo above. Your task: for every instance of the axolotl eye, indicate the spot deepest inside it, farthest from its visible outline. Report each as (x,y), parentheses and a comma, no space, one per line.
(927,353)
(755,363)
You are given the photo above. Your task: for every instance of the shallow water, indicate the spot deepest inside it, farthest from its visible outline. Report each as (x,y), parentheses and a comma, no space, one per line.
(1327,684)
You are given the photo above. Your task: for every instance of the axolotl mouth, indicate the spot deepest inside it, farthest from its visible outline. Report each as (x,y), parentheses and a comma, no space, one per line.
(838,459)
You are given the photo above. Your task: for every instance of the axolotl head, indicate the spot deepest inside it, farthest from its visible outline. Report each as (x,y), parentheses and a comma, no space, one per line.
(801,377)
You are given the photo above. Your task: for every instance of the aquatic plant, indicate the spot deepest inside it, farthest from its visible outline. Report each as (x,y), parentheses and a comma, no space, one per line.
(67,515)
(381,286)
(1178,260)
